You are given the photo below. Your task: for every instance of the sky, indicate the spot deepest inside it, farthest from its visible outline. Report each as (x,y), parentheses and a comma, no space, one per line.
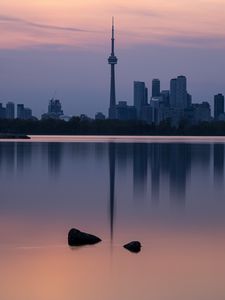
(60,48)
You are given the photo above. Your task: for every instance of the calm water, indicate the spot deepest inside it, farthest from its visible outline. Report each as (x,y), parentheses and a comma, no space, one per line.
(168,193)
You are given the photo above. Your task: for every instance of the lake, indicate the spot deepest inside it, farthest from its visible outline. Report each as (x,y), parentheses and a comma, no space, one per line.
(166,192)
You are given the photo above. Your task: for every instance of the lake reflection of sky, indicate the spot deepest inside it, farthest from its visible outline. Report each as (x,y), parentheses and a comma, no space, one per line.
(170,196)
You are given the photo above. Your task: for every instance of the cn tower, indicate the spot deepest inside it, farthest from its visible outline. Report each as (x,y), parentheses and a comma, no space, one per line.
(112,61)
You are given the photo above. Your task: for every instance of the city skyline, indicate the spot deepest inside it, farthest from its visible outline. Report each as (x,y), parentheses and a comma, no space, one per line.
(37,67)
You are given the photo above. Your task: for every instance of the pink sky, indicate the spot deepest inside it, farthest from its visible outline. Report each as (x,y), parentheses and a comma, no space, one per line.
(84,23)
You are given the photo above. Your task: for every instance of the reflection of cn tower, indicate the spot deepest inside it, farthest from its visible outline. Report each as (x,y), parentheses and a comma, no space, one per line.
(112,159)
(112,61)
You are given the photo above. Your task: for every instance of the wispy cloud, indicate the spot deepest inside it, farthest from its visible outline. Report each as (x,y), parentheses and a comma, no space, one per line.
(201,41)
(14,20)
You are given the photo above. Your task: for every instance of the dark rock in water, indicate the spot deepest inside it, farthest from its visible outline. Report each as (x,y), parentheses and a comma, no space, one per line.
(134,246)
(79,238)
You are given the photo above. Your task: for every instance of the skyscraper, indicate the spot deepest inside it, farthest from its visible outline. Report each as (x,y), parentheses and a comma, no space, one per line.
(10,110)
(20,111)
(55,107)
(218,105)
(178,93)
(181,94)
(23,113)
(2,112)
(165,97)
(112,61)
(173,91)
(140,97)
(155,88)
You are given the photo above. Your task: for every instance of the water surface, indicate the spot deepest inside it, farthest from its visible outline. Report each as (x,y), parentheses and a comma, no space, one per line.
(166,192)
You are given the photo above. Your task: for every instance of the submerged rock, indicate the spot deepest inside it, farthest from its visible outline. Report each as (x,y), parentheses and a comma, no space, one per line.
(79,238)
(134,246)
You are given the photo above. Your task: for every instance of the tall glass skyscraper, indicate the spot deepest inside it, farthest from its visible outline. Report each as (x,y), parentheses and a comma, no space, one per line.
(155,88)
(140,96)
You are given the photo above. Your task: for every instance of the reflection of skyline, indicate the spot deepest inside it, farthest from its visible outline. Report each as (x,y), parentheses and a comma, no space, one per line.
(23,155)
(112,159)
(150,164)
(154,150)
(218,159)
(55,153)
(180,163)
(140,169)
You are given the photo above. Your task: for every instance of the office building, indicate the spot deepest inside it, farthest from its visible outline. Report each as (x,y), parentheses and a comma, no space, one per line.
(173,92)
(178,93)
(181,93)
(147,114)
(27,113)
(20,111)
(218,105)
(55,107)
(23,113)
(155,88)
(125,112)
(99,116)
(165,95)
(10,111)
(202,112)
(54,110)
(2,112)
(140,97)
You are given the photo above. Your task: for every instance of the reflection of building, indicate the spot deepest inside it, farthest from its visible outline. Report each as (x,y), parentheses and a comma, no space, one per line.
(155,161)
(7,156)
(140,168)
(180,163)
(218,155)
(112,161)
(24,156)
(54,152)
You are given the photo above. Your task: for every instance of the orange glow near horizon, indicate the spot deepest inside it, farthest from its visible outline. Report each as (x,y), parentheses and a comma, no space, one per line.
(53,22)
(174,265)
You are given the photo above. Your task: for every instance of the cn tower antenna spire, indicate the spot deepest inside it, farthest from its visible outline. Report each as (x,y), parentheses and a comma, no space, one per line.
(113,36)
(112,62)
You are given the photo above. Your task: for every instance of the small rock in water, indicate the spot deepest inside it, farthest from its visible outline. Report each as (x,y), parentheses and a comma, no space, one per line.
(134,246)
(79,238)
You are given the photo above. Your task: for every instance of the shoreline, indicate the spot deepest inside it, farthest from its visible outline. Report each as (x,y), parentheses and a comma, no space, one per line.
(112,139)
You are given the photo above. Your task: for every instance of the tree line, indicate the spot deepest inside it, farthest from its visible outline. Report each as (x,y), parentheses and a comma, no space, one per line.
(78,126)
